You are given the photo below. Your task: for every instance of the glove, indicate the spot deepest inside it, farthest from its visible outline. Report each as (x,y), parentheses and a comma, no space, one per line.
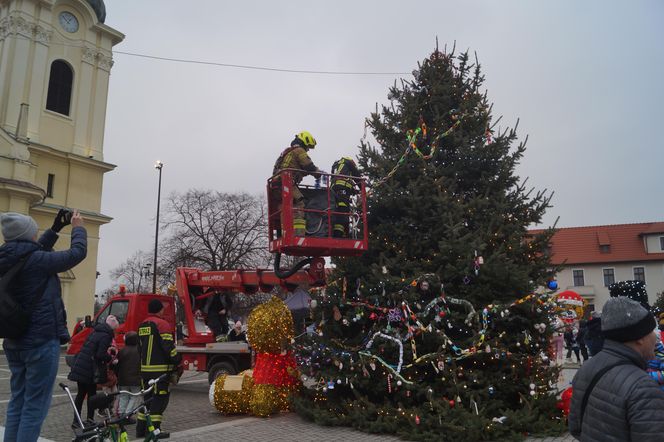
(63,218)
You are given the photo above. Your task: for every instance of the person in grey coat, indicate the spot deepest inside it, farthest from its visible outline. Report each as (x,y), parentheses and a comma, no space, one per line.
(622,402)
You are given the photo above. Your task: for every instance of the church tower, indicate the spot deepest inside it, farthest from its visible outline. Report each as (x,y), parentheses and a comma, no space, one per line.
(55,62)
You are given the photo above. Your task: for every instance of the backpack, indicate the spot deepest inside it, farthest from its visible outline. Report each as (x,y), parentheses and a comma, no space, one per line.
(14,318)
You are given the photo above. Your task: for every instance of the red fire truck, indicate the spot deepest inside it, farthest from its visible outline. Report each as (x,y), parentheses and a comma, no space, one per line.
(198,348)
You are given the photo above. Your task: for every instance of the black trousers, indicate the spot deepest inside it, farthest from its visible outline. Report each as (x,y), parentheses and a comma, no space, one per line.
(84,390)
(157,401)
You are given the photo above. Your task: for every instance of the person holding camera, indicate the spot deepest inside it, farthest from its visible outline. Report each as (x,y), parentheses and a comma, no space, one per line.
(33,358)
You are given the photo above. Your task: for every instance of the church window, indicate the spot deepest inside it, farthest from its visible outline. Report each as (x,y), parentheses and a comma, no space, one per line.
(60,87)
(49,185)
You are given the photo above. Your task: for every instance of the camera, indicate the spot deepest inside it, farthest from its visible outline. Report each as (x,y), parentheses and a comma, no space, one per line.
(67,215)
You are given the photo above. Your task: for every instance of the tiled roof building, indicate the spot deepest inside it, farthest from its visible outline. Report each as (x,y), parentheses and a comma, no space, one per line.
(593,257)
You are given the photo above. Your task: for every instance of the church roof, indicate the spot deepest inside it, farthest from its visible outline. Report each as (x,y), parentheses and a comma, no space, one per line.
(99,8)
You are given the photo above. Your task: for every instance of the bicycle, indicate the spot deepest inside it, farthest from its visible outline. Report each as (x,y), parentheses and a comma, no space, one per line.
(113,429)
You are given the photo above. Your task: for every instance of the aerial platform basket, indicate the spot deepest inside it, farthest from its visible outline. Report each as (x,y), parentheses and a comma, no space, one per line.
(320,213)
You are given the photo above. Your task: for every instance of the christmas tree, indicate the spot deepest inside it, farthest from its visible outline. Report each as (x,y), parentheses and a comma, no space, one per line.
(435,333)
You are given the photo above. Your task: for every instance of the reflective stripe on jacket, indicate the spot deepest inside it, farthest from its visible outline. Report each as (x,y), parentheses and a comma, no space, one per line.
(157,348)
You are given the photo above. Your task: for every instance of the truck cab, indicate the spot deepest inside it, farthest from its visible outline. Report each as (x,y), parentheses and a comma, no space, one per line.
(130,309)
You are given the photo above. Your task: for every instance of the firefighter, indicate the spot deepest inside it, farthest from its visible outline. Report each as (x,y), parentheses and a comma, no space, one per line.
(158,357)
(296,157)
(344,188)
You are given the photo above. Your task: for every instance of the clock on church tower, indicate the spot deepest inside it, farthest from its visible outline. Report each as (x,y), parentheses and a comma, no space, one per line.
(56,58)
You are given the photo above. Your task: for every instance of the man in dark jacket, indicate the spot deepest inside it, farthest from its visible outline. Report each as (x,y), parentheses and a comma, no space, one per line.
(217,309)
(594,338)
(33,358)
(158,357)
(614,399)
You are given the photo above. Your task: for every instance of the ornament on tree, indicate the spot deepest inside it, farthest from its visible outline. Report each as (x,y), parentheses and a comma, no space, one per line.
(477,262)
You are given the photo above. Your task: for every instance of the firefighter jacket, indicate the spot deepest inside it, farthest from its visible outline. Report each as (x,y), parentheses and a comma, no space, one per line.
(295,157)
(344,166)
(158,354)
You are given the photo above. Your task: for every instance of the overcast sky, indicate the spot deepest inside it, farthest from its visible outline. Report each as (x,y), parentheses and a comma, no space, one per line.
(584,78)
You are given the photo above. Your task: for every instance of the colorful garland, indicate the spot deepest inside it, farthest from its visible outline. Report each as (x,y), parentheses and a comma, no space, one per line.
(412,137)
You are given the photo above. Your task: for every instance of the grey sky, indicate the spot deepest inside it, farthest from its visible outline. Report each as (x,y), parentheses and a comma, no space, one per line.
(584,77)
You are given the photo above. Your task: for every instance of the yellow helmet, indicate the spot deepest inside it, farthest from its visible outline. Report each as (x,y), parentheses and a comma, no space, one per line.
(307,139)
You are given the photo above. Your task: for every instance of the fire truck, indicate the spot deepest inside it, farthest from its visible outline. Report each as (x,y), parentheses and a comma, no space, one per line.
(197,345)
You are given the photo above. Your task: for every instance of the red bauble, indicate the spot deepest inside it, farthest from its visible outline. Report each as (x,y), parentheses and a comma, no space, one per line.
(452,403)
(441,314)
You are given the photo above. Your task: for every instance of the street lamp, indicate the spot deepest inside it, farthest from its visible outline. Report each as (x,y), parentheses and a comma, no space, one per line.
(158,165)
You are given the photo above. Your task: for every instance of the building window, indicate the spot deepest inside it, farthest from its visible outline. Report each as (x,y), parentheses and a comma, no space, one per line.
(604,248)
(661,242)
(577,276)
(60,87)
(49,185)
(609,277)
(640,274)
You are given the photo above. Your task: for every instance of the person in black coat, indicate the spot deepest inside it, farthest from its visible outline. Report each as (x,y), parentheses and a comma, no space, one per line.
(571,343)
(93,353)
(581,338)
(218,309)
(594,337)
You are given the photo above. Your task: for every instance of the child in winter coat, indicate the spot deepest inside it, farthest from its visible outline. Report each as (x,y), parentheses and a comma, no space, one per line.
(129,373)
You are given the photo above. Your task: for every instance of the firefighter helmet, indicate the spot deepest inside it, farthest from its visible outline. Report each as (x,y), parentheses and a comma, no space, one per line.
(307,139)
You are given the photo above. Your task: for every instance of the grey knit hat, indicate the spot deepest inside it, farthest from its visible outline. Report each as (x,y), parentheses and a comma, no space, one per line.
(16,226)
(625,320)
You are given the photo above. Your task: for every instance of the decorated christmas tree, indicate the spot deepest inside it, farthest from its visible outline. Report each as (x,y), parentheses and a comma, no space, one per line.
(435,333)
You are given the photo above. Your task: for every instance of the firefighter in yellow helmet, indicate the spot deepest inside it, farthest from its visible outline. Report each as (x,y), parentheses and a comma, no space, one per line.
(344,188)
(296,157)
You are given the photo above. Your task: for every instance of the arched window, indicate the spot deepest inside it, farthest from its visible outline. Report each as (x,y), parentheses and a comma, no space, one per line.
(59,87)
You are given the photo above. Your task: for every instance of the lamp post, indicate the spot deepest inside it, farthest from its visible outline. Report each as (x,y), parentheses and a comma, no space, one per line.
(158,165)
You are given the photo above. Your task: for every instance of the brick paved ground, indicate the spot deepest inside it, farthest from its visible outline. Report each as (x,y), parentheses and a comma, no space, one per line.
(291,428)
(190,417)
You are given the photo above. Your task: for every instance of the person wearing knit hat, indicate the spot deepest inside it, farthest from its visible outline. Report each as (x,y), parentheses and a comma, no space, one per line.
(32,348)
(614,398)
(18,227)
(625,320)
(112,322)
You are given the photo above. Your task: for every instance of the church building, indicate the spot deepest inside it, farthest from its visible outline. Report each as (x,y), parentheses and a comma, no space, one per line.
(55,62)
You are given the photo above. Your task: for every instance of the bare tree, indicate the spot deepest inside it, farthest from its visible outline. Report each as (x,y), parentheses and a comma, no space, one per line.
(214,231)
(135,272)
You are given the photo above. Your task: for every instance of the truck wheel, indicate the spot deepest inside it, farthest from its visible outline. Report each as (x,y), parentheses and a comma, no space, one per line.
(218,369)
